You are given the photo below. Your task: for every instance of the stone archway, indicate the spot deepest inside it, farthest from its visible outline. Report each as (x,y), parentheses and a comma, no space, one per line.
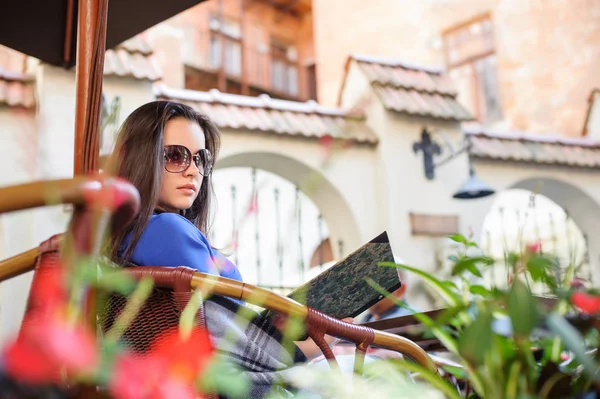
(335,210)
(581,207)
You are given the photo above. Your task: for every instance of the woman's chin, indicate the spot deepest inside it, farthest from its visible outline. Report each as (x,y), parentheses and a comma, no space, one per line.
(182,205)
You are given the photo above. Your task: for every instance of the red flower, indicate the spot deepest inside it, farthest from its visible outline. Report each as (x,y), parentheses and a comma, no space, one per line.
(587,303)
(48,289)
(26,363)
(253,206)
(47,345)
(187,357)
(577,284)
(173,388)
(534,247)
(327,144)
(169,370)
(108,192)
(135,377)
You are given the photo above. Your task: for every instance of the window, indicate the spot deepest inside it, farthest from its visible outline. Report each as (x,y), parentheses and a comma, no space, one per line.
(284,68)
(311,80)
(471,60)
(226,33)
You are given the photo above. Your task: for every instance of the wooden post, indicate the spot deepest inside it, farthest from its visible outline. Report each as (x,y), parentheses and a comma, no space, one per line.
(91,45)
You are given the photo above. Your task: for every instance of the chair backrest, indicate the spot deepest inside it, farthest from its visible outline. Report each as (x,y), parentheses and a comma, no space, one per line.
(159,313)
(46,263)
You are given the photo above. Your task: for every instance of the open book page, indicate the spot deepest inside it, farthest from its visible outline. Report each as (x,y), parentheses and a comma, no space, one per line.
(342,290)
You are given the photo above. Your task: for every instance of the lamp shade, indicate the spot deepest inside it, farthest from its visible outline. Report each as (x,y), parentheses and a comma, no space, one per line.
(473,188)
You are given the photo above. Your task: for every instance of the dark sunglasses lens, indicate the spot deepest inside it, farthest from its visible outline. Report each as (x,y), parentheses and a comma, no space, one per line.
(177,158)
(204,162)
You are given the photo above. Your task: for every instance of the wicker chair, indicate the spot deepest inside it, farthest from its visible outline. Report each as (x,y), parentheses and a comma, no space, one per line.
(173,285)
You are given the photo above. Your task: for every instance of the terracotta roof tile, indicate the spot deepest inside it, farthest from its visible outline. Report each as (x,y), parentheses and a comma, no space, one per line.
(132,58)
(413,89)
(271,115)
(17,89)
(536,149)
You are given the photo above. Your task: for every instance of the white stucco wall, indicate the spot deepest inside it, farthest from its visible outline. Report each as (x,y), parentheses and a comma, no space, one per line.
(39,146)
(133,93)
(18,164)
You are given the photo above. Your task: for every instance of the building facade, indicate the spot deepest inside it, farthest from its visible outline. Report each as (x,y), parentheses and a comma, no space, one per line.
(518,65)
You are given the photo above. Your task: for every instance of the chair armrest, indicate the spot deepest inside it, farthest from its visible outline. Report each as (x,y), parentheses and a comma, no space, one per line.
(322,323)
(118,196)
(121,196)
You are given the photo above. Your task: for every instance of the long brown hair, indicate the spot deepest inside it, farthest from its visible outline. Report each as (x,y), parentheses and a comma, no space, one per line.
(138,158)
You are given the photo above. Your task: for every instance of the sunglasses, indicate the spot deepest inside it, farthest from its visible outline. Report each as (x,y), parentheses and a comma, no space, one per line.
(178,158)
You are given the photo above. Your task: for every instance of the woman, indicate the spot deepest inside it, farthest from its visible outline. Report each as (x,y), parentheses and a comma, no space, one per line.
(167,151)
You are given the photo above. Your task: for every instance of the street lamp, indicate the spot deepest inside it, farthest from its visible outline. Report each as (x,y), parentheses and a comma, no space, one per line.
(473,188)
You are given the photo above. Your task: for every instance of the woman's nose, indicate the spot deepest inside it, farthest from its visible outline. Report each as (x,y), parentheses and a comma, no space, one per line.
(192,170)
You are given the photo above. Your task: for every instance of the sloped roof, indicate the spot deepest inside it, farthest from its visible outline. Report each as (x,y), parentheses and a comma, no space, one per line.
(535,149)
(132,58)
(17,89)
(265,114)
(412,89)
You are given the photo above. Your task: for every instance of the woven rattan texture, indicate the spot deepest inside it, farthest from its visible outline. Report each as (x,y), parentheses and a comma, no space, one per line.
(160,313)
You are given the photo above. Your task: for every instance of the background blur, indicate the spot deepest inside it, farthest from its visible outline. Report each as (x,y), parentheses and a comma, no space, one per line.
(342,119)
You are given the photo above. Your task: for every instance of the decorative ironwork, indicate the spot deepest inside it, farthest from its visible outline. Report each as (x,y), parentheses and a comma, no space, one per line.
(429,149)
(254,206)
(279,243)
(234,230)
(299,225)
(321,240)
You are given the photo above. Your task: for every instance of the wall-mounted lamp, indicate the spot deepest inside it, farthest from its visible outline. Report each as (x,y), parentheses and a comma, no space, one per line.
(471,189)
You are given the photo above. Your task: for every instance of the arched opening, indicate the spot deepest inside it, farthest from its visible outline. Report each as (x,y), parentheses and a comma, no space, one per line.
(273,215)
(551,215)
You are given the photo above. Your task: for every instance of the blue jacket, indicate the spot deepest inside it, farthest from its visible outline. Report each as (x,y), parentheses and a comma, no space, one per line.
(171,240)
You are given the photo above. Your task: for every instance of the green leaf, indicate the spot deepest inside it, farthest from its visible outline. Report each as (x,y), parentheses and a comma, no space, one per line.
(439,332)
(117,281)
(187,320)
(224,377)
(449,313)
(452,298)
(470,264)
(476,339)
(513,380)
(481,290)
(453,258)
(574,341)
(433,378)
(449,284)
(458,372)
(522,309)
(540,268)
(512,259)
(459,238)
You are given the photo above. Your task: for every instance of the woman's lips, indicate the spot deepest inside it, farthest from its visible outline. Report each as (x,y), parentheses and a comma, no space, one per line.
(187,189)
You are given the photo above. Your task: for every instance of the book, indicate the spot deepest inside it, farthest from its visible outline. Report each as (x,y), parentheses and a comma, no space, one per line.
(342,290)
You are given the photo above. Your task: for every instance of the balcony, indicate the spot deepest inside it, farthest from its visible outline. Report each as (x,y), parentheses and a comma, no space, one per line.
(223,59)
